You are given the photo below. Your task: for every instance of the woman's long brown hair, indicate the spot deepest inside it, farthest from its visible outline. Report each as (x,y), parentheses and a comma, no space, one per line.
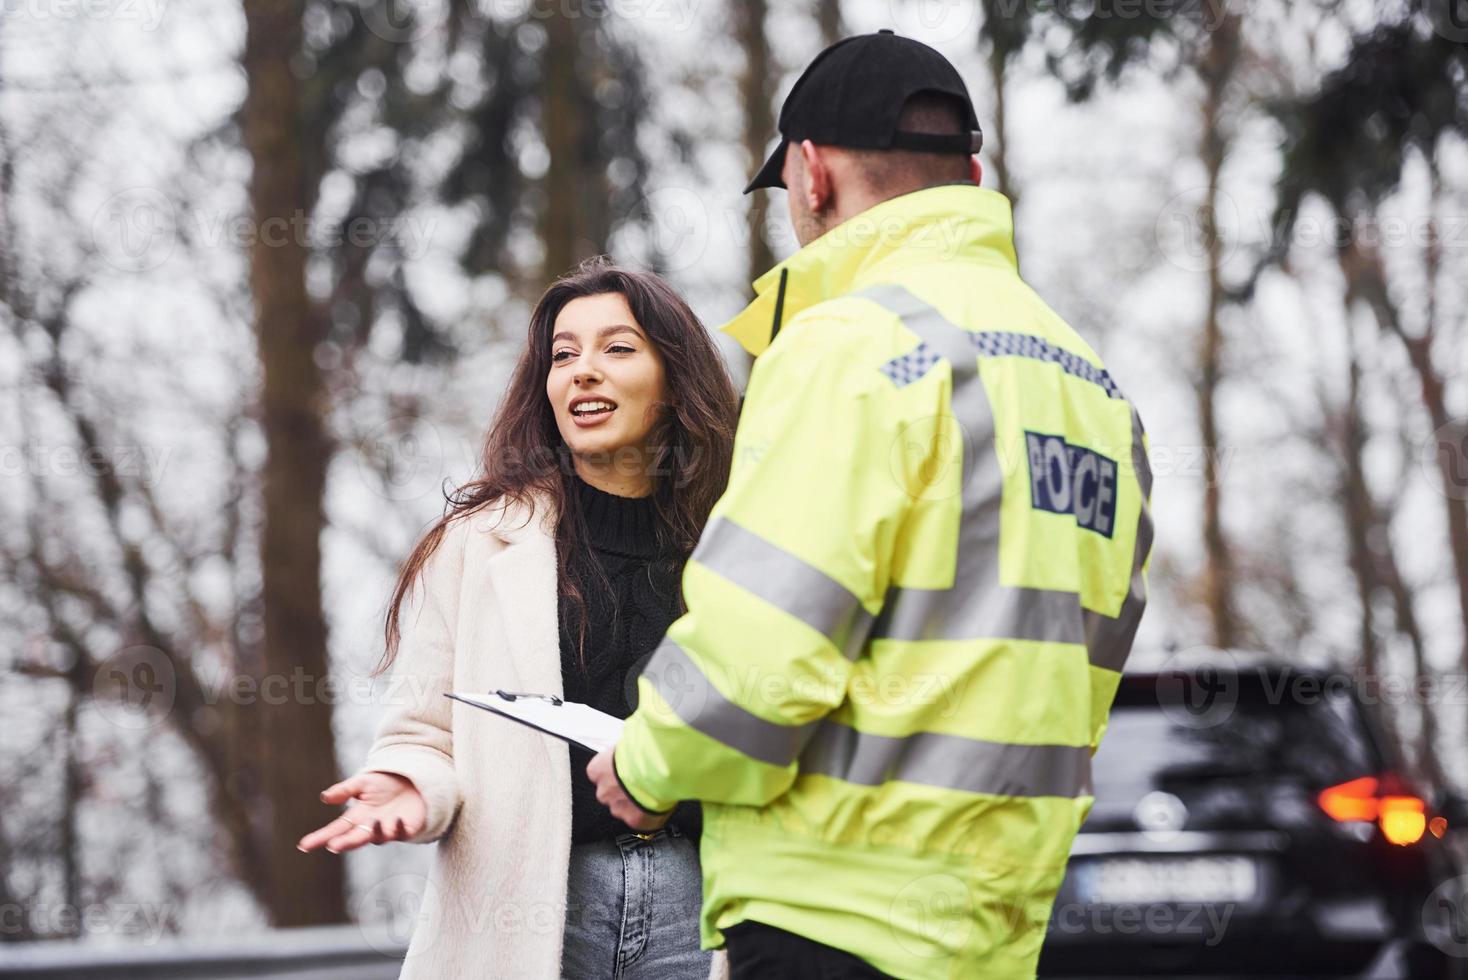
(525,456)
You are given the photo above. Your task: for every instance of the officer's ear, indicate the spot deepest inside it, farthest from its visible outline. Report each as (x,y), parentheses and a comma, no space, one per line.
(975,169)
(816,188)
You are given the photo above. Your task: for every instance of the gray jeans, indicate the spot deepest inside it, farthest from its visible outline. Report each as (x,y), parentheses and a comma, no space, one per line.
(632,910)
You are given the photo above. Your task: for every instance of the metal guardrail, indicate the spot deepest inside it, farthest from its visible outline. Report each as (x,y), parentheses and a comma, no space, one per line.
(316,953)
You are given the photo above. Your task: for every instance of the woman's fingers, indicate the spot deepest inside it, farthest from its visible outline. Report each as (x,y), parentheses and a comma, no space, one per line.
(324,834)
(393,829)
(343,791)
(362,823)
(361,831)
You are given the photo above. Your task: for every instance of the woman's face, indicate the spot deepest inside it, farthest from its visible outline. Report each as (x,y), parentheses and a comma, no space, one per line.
(606,381)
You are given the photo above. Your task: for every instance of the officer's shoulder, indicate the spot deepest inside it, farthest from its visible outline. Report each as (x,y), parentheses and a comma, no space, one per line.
(847,324)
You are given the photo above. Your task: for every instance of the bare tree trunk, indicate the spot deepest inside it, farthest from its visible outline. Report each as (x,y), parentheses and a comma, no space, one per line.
(559,119)
(72,791)
(1216,70)
(19,928)
(1000,40)
(1361,517)
(299,753)
(1370,531)
(1446,451)
(996,142)
(828,15)
(1426,755)
(1359,510)
(1364,267)
(756,89)
(233,802)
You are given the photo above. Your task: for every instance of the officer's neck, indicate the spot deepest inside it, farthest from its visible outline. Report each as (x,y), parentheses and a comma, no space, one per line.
(856,200)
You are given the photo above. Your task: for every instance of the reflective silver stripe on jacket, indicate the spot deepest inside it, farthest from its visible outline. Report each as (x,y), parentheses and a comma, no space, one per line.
(834,749)
(786,582)
(702,707)
(1108,640)
(948,761)
(977,606)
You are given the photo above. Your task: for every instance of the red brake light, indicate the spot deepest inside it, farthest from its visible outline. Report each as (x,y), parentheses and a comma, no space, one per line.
(1355,800)
(1401,814)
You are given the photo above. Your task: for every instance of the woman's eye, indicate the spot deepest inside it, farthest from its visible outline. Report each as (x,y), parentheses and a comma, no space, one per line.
(621,349)
(557,355)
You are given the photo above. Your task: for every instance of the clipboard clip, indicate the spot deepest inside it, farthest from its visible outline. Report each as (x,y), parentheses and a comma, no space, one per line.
(515,696)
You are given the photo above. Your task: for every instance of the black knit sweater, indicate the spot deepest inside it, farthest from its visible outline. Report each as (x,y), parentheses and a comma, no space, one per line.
(626,617)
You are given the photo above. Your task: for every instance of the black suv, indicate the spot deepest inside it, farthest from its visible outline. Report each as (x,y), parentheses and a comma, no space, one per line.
(1250,820)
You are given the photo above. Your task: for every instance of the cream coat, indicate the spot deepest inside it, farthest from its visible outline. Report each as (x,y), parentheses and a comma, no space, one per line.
(499,795)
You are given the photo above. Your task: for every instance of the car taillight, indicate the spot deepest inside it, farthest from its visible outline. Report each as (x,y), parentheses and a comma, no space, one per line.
(1386,800)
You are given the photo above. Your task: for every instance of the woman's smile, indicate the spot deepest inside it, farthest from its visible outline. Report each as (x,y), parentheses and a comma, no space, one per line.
(591,411)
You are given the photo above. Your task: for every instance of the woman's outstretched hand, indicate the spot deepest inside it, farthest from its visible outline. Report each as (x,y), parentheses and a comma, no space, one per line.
(381,807)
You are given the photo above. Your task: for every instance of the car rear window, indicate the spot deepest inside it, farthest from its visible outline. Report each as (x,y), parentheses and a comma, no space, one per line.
(1253,726)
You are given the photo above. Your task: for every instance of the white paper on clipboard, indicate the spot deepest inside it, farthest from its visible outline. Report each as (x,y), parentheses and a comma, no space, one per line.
(567,720)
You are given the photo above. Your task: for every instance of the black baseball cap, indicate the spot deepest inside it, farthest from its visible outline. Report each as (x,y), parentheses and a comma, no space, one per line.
(853,92)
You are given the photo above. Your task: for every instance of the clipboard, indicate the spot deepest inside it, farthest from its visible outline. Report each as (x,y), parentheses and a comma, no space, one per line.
(568,721)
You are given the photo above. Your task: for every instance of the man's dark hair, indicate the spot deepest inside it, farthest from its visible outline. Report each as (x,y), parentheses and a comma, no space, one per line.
(924,112)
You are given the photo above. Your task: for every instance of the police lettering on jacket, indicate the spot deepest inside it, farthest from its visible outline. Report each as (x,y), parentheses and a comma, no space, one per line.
(1067,479)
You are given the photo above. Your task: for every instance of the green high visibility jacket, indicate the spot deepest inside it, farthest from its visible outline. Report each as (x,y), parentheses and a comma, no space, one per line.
(908,614)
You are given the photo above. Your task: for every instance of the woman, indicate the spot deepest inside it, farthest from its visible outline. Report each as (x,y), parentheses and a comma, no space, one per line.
(556,571)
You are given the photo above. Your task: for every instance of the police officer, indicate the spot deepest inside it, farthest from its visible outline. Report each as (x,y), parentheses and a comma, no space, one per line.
(908,615)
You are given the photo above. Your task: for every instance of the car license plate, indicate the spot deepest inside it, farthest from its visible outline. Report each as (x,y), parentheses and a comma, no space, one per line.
(1122,881)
